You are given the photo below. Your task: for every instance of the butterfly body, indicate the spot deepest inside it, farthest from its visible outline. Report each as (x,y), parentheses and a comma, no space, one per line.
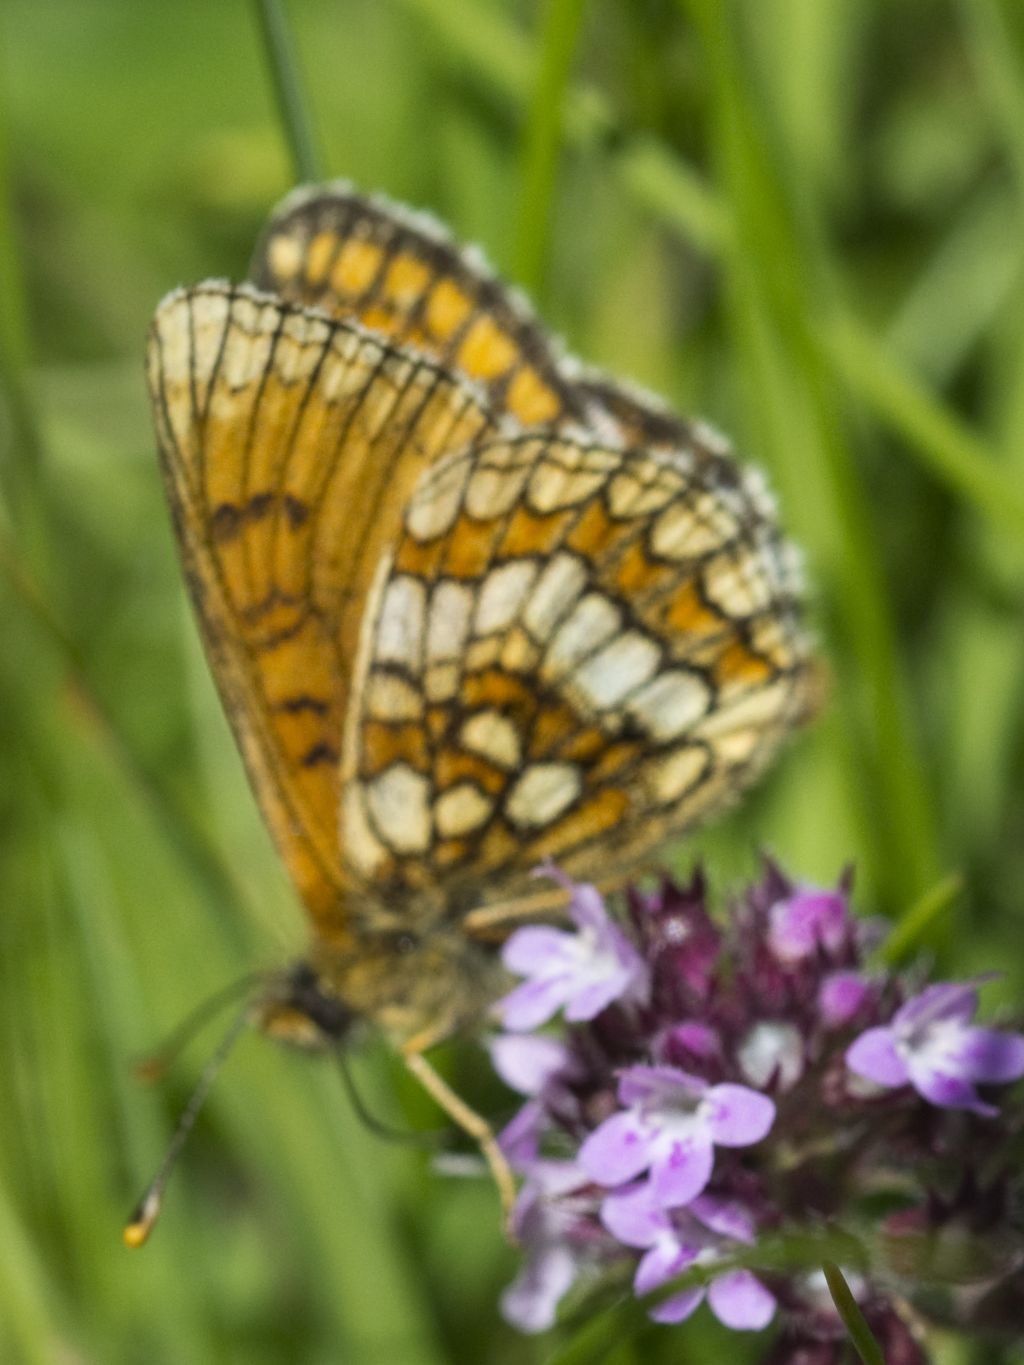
(470,606)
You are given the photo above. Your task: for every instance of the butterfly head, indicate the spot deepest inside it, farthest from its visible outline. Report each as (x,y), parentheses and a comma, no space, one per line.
(301,1009)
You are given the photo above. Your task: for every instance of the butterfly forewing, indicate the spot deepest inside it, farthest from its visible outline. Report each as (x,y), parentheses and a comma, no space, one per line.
(291,445)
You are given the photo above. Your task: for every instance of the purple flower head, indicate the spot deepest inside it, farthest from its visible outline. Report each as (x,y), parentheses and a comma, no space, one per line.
(582,972)
(674,1241)
(670,1126)
(806,923)
(933,1045)
(733,1031)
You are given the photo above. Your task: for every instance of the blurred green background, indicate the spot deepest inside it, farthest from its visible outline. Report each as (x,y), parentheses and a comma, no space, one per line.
(802,220)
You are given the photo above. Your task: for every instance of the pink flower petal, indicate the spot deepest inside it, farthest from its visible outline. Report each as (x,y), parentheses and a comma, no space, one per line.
(647,1084)
(520,1138)
(946,1091)
(528,1064)
(633,1217)
(942,1001)
(682,1169)
(531,1301)
(678,1308)
(536,950)
(739,1300)
(617,1150)
(841,996)
(662,1263)
(727,1217)
(874,1056)
(807,921)
(591,1000)
(986,1055)
(532,1003)
(736,1115)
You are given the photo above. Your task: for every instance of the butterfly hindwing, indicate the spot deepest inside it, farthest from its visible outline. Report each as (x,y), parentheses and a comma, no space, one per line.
(399,273)
(572,651)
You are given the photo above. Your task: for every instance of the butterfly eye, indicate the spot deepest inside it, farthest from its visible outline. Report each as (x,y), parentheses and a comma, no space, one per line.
(405,943)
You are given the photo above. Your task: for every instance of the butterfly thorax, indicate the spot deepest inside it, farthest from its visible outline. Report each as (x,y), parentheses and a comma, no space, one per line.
(405,984)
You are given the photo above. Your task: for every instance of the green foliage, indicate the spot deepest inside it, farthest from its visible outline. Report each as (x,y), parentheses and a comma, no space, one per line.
(801,220)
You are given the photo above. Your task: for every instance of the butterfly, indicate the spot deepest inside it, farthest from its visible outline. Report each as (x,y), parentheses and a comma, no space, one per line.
(470,605)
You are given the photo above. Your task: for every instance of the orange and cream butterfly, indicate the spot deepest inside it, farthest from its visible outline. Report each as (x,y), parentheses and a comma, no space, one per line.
(469,605)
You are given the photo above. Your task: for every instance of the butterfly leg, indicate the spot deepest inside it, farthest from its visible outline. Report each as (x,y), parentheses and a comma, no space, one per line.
(468,1119)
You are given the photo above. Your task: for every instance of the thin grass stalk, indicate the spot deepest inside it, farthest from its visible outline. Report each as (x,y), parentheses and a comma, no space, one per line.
(293,104)
(542,139)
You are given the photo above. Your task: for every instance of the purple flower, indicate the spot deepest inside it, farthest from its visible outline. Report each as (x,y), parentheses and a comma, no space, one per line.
(807,922)
(550,1221)
(933,1045)
(674,1241)
(670,1125)
(582,972)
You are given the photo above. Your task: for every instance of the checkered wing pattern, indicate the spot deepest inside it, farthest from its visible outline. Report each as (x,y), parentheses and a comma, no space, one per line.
(571,651)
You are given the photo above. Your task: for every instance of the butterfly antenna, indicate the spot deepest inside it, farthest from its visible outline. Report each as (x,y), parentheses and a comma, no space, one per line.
(374,1124)
(147,1211)
(154,1066)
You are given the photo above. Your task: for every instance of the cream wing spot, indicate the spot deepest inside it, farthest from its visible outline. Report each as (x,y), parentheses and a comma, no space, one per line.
(642,489)
(497,483)
(542,792)
(628,661)
(762,707)
(567,476)
(493,736)
(390,698)
(519,654)
(670,704)
(441,681)
(435,506)
(562,580)
(501,595)
(451,605)
(690,527)
(591,622)
(399,805)
(676,773)
(740,586)
(461,809)
(401,621)
(285,256)
(359,843)
(738,745)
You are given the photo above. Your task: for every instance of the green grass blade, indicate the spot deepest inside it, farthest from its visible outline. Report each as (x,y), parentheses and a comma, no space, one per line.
(947,448)
(293,106)
(559,36)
